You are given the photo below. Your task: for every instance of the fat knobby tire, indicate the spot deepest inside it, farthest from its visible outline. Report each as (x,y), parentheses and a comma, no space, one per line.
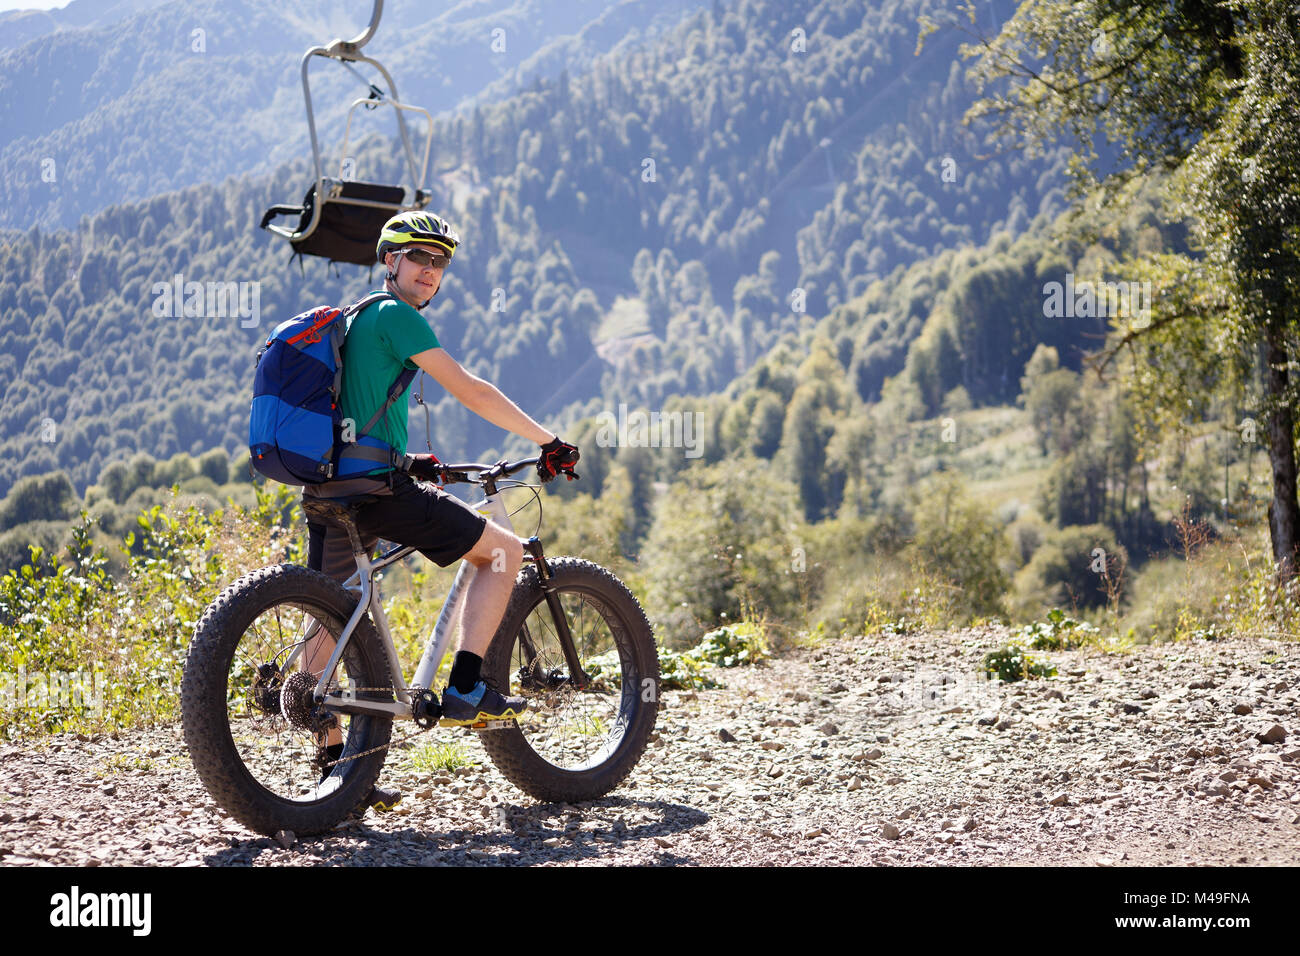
(622,613)
(205,711)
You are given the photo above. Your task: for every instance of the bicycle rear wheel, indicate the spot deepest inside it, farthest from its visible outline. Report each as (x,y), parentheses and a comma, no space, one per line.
(573,743)
(246,700)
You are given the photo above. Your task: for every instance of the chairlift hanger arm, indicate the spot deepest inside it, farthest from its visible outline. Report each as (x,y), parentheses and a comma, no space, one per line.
(344,190)
(416,173)
(350,49)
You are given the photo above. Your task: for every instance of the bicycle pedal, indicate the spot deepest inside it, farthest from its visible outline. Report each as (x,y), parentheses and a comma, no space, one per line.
(477,725)
(425,709)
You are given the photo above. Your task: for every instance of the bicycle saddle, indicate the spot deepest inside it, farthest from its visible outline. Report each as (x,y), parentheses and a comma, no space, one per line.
(336,511)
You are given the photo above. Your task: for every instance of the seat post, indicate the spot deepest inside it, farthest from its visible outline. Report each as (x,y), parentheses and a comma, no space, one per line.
(342,513)
(354,537)
(359,553)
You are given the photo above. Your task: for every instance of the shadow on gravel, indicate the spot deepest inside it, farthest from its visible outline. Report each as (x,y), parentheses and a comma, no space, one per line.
(515,836)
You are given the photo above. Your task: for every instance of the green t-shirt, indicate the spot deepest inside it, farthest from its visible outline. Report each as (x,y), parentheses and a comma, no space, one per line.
(379,344)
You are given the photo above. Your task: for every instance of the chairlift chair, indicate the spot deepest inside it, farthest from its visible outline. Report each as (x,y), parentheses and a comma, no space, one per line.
(340,218)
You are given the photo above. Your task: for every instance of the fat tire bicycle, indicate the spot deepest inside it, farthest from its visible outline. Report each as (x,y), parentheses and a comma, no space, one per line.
(573,640)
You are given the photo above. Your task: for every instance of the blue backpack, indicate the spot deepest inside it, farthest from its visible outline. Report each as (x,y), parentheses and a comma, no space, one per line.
(296,432)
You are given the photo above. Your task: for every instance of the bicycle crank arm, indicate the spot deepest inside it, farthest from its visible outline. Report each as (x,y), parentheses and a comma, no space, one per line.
(338,704)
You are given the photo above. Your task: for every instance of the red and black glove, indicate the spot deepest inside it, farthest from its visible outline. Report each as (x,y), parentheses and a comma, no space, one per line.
(425,467)
(557,458)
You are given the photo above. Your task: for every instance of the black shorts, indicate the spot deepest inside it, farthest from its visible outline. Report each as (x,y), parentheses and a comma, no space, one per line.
(423,516)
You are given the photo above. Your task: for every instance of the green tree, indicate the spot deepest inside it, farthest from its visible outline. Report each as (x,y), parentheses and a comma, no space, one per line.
(49,497)
(1206,90)
(1076,566)
(722,542)
(1053,403)
(216,465)
(958,539)
(765,425)
(1045,359)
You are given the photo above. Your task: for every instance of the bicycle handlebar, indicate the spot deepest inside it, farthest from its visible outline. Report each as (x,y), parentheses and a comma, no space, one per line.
(489,474)
(457,473)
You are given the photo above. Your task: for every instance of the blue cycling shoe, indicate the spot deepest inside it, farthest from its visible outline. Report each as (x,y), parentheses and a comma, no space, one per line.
(480,704)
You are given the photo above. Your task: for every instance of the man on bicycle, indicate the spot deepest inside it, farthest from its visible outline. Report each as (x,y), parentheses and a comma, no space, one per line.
(415,248)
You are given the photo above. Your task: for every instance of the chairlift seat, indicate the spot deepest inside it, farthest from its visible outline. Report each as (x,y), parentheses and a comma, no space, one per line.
(351,218)
(342,219)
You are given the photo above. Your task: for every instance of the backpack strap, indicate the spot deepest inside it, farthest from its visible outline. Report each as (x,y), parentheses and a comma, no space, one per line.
(384,456)
(339,331)
(394,393)
(396,389)
(389,457)
(369,299)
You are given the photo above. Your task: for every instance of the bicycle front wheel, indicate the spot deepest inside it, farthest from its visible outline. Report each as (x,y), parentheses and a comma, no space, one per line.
(573,742)
(256,739)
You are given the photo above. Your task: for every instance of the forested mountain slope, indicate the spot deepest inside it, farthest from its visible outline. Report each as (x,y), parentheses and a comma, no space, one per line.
(686,205)
(149,97)
(18,27)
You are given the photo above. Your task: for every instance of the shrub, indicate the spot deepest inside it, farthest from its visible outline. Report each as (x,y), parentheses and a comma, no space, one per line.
(48,497)
(1225,587)
(1058,633)
(1011,663)
(1068,569)
(70,616)
(732,645)
(958,540)
(215,465)
(723,539)
(681,671)
(17,543)
(919,600)
(1026,535)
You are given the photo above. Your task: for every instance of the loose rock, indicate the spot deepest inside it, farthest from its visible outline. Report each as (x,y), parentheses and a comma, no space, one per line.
(1275,734)
(1135,786)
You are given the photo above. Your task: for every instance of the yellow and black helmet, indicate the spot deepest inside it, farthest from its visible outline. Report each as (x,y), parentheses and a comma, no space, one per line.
(416,226)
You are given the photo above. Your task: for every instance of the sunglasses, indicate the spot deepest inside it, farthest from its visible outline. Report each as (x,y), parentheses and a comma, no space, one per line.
(424,258)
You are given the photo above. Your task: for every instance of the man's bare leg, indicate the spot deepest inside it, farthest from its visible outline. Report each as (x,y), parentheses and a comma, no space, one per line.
(316,657)
(495,560)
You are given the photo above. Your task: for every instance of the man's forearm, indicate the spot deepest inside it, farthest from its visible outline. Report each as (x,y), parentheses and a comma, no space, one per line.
(488,402)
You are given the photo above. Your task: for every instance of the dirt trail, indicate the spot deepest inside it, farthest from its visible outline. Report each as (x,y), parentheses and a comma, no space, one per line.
(879,751)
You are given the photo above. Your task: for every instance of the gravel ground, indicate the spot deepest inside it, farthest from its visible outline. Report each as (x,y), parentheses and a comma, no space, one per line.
(877,751)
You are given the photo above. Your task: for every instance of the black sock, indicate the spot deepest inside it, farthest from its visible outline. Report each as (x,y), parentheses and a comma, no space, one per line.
(465,671)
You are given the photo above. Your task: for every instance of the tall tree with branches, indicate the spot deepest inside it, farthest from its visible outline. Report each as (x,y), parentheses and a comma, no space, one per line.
(1203,92)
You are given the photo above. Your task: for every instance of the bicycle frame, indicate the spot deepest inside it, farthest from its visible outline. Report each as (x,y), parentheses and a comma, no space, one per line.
(435,649)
